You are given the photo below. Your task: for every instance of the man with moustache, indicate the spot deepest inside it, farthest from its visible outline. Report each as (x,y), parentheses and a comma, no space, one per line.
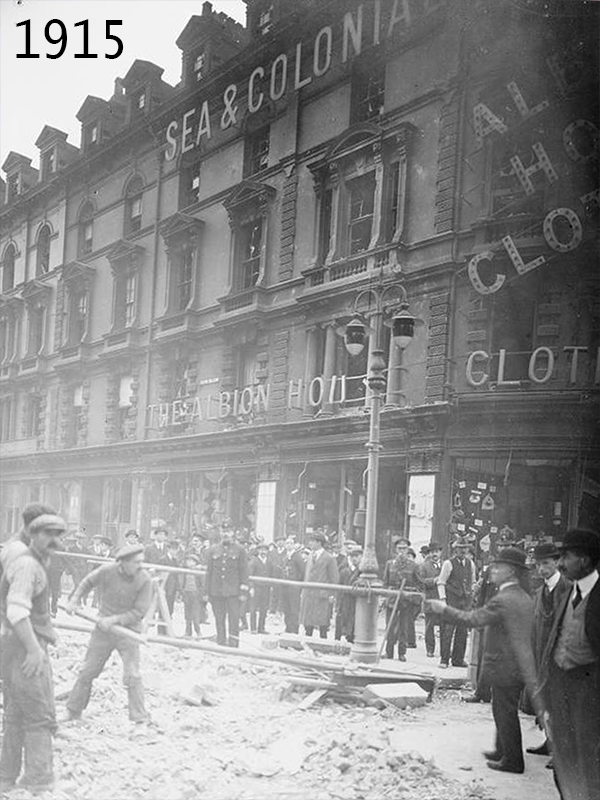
(428,572)
(293,570)
(29,712)
(124,593)
(570,671)
(316,605)
(508,662)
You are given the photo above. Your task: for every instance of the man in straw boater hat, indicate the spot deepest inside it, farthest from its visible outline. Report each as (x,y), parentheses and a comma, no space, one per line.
(508,663)
(28,695)
(124,593)
(570,671)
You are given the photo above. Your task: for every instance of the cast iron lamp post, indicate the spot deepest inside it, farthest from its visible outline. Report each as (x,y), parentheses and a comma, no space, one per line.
(387,301)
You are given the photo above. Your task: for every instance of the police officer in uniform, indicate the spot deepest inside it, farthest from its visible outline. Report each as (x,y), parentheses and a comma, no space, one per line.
(226,586)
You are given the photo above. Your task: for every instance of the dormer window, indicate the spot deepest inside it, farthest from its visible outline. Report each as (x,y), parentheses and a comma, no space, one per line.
(200,66)
(42,261)
(12,187)
(91,136)
(138,104)
(265,21)
(48,164)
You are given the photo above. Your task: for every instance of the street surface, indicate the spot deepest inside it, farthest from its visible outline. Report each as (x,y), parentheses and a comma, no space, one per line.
(253,742)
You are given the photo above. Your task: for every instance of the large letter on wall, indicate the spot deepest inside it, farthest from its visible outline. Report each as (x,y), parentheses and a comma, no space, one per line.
(476,281)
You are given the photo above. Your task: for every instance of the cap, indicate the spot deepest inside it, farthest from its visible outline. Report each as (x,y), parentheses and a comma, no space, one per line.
(356,550)
(580,540)
(132,532)
(129,550)
(317,536)
(460,543)
(513,556)
(402,540)
(48,522)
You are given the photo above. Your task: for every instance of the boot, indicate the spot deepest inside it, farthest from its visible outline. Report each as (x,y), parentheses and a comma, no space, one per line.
(135,699)
(11,757)
(38,775)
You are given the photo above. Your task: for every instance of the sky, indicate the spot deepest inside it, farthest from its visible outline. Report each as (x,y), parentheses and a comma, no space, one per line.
(42,91)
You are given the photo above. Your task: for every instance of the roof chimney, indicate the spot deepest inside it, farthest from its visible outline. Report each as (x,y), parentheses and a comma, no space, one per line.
(206,9)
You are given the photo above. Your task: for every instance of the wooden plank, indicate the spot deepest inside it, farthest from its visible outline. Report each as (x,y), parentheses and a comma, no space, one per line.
(311,699)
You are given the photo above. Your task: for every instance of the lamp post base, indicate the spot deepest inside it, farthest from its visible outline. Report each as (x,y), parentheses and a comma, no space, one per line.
(365,648)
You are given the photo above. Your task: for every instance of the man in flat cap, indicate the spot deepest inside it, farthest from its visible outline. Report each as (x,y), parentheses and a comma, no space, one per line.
(400,628)
(29,713)
(19,543)
(124,593)
(547,599)
(570,671)
(316,605)
(508,663)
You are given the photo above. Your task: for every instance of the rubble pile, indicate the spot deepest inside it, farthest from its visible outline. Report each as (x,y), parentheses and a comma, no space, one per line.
(225,730)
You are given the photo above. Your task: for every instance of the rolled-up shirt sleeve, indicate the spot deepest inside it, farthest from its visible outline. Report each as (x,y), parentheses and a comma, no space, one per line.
(24,585)
(443,578)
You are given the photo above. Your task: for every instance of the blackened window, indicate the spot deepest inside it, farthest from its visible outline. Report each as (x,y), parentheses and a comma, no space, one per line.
(8,268)
(190,185)
(393,204)
(32,418)
(257,151)
(185,278)
(368,92)
(250,243)
(78,320)
(325,223)
(86,230)
(360,216)
(37,319)
(7,422)
(42,264)
(133,206)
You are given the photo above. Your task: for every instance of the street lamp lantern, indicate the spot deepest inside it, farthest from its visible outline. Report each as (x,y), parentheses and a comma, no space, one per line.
(403,326)
(355,336)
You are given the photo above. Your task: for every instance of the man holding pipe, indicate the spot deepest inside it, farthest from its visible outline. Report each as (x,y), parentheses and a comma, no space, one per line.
(125,593)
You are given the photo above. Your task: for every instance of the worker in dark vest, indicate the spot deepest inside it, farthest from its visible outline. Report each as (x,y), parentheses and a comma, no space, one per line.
(455,586)
(29,712)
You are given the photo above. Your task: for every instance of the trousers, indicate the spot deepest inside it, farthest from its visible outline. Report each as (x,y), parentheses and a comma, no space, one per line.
(453,644)
(290,604)
(505,708)
(227,620)
(99,650)
(431,622)
(29,719)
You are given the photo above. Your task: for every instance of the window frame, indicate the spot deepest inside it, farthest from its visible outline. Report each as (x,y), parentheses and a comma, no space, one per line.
(134,193)
(257,149)
(8,267)
(42,257)
(85,242)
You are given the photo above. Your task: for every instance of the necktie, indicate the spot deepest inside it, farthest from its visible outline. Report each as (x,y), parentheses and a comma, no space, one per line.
(577,596)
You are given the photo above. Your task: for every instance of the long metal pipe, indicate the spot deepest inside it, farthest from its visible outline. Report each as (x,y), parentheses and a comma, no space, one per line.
(337,587)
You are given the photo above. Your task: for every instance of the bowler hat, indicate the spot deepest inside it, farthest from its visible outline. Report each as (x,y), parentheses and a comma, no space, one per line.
(545,550)
(582,540)
(402,540)
(435,546)
(129,550)
(513,556)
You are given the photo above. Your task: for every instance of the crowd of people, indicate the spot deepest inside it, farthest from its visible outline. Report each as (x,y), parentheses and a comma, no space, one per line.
(537,641)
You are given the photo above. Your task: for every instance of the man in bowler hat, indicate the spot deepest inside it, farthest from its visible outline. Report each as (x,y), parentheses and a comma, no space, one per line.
(570,671)
(508,662)
(316,605)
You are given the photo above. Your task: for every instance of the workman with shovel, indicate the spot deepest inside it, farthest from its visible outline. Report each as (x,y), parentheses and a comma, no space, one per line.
(125,594)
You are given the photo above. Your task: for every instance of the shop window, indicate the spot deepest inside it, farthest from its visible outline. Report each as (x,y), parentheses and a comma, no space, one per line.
(37,323)
(42,263)
(133,206)
(8,268)
(32,416)
(7,419)
(86,230)
(368,92)
(361,197)
(257,151)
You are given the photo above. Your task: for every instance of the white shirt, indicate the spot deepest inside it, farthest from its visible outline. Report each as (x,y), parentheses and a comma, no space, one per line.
(552,581)
(585,584)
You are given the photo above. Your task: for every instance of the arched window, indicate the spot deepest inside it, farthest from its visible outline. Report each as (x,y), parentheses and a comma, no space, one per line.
(133,206)
(86,230)
(8,268)
(42,264)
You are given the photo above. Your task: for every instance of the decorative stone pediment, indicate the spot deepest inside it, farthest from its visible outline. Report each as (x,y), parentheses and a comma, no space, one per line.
(180,226)
(124,255)
(77,272)
(248,193)
(34,291)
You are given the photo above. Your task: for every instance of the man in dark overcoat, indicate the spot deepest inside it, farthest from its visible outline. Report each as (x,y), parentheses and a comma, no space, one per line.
(346,608)
(508,662)
(570,671)
(316,605)
(546,601)
(428,572)
(293,570)
(262,566)
(227,586)
(400,569)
